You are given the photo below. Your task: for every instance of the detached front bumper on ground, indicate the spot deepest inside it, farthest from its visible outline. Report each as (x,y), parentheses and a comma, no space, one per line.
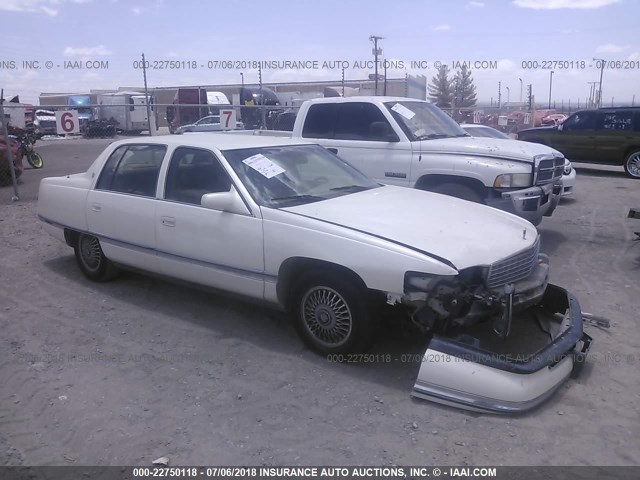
(483,373)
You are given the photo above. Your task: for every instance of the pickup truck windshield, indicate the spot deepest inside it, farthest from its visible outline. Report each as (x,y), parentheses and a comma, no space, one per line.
(295,174)
(424,121)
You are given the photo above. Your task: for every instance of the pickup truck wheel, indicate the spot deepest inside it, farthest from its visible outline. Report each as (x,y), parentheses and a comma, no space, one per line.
(331,315)
(456,190)
(92,261)
(632,164)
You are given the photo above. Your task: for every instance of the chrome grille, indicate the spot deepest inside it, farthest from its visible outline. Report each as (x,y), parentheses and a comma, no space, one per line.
(549,170)
(514,268)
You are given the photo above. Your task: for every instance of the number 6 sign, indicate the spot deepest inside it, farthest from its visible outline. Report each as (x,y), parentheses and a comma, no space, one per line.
(67,122)
(228,119)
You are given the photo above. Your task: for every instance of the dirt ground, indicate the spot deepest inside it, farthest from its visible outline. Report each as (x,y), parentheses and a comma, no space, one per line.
(135,369)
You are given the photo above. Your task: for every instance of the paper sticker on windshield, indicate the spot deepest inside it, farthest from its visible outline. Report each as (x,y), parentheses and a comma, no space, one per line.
(263,165)
(404,111)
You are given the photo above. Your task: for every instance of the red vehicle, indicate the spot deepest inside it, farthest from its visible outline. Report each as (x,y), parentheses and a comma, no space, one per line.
(189,106)
(5,170)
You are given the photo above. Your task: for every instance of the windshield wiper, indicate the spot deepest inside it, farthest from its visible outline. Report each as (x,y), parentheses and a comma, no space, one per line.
(298,197)
(462,135)
(351,188)
(433,135)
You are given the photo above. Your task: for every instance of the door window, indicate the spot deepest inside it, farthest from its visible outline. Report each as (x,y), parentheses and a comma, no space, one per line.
(193,173)
(361,121)
(580,121)
(133,169)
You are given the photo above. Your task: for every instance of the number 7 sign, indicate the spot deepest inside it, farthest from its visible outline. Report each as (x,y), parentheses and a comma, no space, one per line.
(67,122)
(228,119)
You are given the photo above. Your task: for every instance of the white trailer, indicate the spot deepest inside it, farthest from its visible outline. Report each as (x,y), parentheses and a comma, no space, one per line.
(129,109)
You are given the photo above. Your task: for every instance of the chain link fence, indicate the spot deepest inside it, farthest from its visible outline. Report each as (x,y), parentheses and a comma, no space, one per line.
(127,115)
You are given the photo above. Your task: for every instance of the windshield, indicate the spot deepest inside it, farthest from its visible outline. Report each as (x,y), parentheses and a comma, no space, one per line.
(424,121)
(295,174)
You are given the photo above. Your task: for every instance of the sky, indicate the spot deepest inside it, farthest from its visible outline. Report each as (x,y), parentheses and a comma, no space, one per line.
(521,38)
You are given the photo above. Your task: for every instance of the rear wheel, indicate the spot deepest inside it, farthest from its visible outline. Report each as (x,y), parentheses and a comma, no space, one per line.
(331,314)
(456,190)
(92,260)
(632,164)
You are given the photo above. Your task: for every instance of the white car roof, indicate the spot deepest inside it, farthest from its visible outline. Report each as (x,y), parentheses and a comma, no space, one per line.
(220,141)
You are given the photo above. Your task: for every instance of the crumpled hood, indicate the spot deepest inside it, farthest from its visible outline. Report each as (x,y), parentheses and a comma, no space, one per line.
(493,147)
(464,233)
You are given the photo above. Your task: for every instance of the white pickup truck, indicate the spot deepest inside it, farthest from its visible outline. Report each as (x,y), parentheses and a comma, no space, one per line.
(412,143)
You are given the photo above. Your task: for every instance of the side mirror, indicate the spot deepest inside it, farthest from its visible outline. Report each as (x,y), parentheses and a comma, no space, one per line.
(382,131)
(560,127)
(225,202)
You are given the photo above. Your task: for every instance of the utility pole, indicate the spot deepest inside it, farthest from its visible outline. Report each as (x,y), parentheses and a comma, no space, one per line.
(342,82)
(592,95)
(508,94)
(376,52)
(499,93)
(550,83)
(633,100)
(242,78)
(146,96)
(602,63)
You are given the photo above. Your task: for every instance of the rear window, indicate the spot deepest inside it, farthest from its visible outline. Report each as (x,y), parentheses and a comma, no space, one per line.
(133,169)
(320,121)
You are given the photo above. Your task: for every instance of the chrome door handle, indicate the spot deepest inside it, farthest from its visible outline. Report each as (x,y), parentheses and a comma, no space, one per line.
(168,221)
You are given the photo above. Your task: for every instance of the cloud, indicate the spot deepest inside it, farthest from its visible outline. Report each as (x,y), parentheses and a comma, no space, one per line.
(48,7)
(558,4)
(86,51)
(442,28)
(634,56)
(136,10)
(611,48)
(475,4)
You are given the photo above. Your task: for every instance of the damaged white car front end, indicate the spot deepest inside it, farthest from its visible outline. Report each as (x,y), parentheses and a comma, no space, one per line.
(502,339)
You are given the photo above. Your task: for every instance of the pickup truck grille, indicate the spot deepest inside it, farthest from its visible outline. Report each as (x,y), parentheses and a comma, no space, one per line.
(549,170)
(514,268)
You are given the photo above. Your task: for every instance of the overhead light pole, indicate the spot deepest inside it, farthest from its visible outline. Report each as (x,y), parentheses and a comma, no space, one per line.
(550,83)
(520,90)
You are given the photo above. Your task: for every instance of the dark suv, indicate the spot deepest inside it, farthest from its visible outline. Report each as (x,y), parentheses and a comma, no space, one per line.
(606,135)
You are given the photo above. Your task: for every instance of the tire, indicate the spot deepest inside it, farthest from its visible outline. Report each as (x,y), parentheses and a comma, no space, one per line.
(456,190)
(35,160)
(632,164)
(92,261)
(321,303)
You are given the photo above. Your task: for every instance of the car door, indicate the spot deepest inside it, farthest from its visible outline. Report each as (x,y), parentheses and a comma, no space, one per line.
(354,131)
(215,248)
(577,137)
(120,209)
(615,137)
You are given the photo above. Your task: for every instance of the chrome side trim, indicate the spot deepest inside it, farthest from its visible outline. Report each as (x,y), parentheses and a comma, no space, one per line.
(255,274)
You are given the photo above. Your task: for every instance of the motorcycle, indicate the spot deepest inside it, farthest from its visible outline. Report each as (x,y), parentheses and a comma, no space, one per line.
(26,139)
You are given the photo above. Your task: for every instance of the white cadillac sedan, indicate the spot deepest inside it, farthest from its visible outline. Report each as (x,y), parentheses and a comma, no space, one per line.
(292,225)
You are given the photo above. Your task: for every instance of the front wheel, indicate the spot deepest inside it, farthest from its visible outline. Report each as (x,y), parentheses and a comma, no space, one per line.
(632,164)
(331,314)
(35,160)
(92,260)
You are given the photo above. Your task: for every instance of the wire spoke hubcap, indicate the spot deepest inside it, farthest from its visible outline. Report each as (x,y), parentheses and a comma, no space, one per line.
(633,165)
(90,252)
(326,316)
